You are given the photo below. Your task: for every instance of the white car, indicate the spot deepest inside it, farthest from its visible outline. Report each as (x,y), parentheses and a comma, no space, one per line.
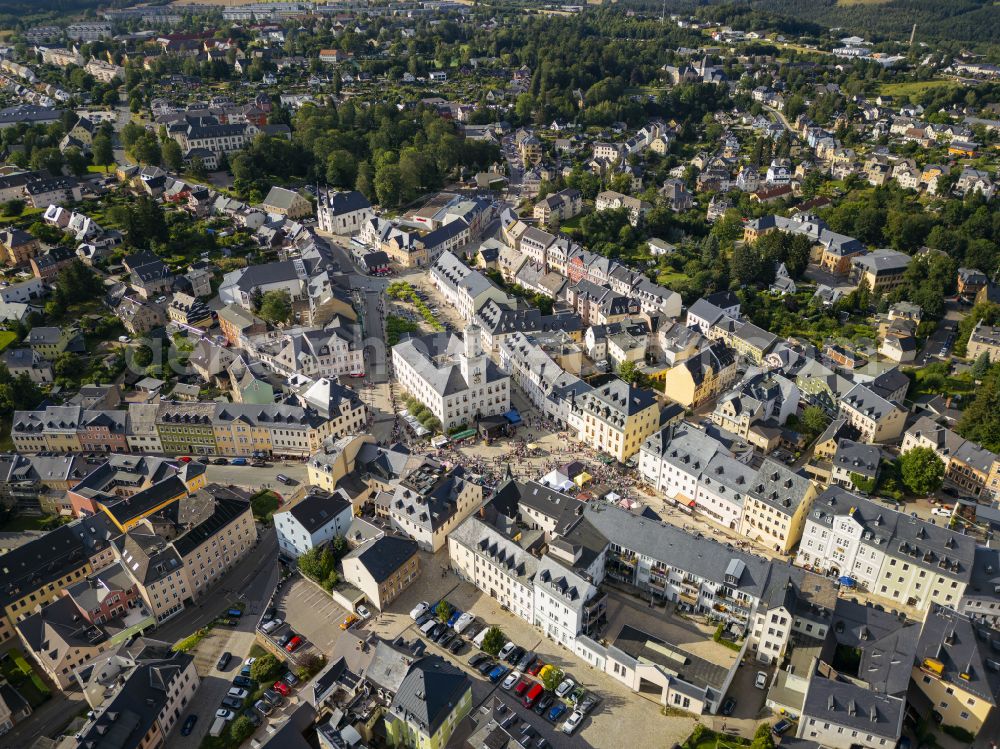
(761,681)
(225,714)
(464,621)
(240,694)
(941,512)
(511,679)
(572,722)
(270,626)
(565,687)
(363,612)
(419,610)
(506,650)
(251,661)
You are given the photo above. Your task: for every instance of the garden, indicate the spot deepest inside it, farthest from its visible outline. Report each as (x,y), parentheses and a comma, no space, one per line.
(20,675)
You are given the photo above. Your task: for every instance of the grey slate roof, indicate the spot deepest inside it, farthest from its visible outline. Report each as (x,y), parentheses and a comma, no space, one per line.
(700,556)
(855,707)
(963,648)
(383,556)
(429,693)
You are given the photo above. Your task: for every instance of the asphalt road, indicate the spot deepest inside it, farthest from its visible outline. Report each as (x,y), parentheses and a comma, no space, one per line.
(253,479)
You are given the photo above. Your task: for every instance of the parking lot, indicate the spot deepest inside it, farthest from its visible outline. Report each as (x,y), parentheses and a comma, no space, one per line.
(621,718)
(311,613)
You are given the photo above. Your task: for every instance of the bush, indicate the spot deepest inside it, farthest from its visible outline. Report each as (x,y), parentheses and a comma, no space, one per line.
(443,611)
(266,668)
(241,729)
(553,678)
(494,640)
(959,733)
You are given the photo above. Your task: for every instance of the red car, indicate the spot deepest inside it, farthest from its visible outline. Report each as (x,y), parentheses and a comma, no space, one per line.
(522,687)
(282,687)
(536,667)
(184,459)
(294,644)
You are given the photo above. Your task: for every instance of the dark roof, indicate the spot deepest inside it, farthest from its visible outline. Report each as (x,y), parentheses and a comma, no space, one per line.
(28,567)
(225,509)
(383,556)
(140,503)
(963,648)
(429,693)
(126,720)
(317,510)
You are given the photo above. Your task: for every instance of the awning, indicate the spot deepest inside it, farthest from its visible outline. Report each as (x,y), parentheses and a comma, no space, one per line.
(439,441)
(582,478)
(463,435)
(846,581)
(532,445)
(513,416)
(612,496)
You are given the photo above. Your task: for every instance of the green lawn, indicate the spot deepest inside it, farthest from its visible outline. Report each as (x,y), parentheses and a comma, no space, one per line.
(912,88)
(20,523)
(263,505)
(666,279)
(6,338)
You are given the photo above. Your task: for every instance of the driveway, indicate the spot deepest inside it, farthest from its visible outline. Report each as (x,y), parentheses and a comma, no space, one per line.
(253,479)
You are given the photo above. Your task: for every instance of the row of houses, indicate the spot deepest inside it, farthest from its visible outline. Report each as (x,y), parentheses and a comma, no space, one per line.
(188,428)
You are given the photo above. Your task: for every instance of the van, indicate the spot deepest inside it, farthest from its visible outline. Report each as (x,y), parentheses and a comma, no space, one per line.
(478,641)
(532,696)
(217,727)
(428,626)
(463,621)
(282,478)
(271,626)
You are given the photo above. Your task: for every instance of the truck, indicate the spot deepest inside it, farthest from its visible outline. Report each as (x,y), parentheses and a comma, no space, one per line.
(217,727)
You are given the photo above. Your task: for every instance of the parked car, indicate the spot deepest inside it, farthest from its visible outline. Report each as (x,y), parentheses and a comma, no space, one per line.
(263,707)
(565,687)
(419,610)
(286,638)
(283,479)
(511,680)
(532,696)
(274,698)
(253,716)
(294,644)
(457,646)
(224,661)
(761,681)
(238,692)
(572,722)
(232,703)
(363,612)
(556,712)
(245,682)
(447,637)
(497,673)
(728,706)
(282,688)
(225,714)
(587,704)
(525,661)
(220,462)
(514,655)
(189,724)
(455,616)
(544,703)
(536,667)
(941,512)
(506,650)
(476,658)
(270,626)
(290,679)
(238,462)
(463,622)
(245,671)
(781,726)
(486,666)
(348,621)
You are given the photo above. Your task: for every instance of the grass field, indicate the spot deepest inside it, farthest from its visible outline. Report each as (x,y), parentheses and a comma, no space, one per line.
(6,338)
(912,88)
